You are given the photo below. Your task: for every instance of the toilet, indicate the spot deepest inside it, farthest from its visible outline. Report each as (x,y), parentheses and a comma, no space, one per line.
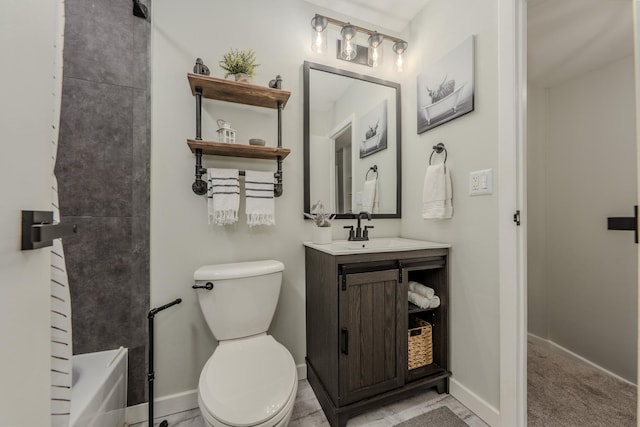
(251,379)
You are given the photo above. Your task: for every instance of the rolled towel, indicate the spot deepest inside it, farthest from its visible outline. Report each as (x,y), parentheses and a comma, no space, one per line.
(419,300)
(421,289)
(434,302)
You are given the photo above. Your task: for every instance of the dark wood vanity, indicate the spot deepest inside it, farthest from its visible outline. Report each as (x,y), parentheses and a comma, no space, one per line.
(357,317)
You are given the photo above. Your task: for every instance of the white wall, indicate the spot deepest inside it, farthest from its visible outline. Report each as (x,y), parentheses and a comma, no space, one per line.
(472,144)
(181,241)
(537,256)
(26,115)
(589,274)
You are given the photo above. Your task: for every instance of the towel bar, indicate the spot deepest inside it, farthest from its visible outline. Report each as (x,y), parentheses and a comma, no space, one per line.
(373,168)
(439,148)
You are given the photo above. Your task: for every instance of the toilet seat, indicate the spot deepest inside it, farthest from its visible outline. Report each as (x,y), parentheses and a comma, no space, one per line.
(248,382)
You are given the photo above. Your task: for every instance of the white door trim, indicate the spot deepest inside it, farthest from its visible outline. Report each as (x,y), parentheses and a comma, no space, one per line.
(636,40)
(512,26)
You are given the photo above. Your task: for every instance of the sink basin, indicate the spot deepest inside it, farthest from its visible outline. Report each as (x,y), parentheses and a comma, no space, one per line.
(382,244)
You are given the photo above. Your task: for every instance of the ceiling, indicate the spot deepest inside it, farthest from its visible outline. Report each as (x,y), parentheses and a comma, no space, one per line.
(394,15)
(567,38)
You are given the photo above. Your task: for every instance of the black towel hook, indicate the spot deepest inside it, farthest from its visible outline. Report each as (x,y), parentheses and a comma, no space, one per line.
(439,148)
(373,168)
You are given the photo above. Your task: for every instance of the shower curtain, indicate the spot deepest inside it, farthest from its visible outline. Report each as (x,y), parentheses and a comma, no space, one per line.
(61,342)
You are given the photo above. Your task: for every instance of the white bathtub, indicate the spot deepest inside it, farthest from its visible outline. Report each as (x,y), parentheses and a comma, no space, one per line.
(446,104)
(99,390)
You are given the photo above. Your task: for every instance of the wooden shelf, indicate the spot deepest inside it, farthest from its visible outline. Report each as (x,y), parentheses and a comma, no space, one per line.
(412,308)
(240,93)
(238,150)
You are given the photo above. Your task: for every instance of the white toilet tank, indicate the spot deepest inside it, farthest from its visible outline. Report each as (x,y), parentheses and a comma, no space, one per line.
(243,299)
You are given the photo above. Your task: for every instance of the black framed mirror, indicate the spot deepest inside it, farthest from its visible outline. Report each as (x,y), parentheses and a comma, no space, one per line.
(352,142)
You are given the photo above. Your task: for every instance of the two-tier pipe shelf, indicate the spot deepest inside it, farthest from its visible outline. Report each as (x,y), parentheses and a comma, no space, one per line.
(240,93)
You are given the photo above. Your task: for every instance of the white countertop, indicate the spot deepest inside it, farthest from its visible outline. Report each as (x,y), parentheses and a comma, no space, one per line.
(376,245)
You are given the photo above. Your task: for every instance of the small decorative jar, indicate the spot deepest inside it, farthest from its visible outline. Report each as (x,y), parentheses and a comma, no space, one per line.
(225,133)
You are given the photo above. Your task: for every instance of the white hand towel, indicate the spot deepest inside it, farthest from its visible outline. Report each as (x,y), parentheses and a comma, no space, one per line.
(421,289)
(223,193)
(434,302)
(436,194)
(260,206)
(418,300)
(370,195)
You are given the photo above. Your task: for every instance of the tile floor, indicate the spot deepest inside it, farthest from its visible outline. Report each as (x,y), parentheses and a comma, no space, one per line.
(307,412)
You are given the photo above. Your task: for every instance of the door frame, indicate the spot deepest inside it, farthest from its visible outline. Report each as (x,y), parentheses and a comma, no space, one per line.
(636,43)
(512,69)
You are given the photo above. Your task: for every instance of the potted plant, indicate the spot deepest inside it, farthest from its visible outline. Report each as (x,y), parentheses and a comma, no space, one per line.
(322,230)
(239,63)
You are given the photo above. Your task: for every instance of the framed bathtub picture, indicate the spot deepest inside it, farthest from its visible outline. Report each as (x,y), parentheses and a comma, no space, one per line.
(372,132)
(446,90)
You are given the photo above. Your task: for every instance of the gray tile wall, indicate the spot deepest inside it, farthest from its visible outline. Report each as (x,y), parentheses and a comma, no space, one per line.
(103,174)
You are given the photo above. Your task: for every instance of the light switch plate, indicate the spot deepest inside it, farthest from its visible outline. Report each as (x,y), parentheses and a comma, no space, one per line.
(481,182)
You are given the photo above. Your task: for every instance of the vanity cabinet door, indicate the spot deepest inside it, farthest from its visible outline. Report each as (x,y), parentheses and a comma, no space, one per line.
(371,322)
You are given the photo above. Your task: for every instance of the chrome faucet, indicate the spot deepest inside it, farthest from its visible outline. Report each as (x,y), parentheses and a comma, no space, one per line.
(360,234)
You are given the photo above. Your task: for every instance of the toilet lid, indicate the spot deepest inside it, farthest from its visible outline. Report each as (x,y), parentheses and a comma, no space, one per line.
(247,381)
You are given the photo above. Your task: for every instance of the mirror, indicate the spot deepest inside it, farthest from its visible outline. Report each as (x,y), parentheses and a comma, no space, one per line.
(351,142)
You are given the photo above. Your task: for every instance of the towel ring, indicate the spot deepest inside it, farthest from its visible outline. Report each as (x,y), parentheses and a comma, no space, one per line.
(439,148)
(373,168)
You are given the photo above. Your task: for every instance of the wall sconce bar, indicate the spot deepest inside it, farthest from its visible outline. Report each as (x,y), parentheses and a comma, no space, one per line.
(360,29)
(349,47)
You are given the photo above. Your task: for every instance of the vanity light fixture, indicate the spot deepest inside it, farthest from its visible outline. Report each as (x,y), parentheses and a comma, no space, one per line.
(375,49)
(348,46)
(399,48)
(319,37)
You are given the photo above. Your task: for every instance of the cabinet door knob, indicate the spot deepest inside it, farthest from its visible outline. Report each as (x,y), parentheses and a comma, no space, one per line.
(345,341)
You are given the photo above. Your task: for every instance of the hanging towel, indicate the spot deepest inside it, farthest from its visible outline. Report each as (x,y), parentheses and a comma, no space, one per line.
(421,289)
(370,196)
(436,194)
(223,193)
(260,206)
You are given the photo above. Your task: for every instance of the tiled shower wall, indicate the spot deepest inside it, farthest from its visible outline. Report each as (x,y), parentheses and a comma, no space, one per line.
(103,174)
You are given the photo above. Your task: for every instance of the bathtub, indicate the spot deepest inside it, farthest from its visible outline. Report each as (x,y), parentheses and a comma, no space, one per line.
(446,104)
(99,389)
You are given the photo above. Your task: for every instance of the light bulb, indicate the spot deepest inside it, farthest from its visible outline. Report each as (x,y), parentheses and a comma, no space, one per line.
(318,38)
(399,48)
(375,49)
(399,63)
(349,47)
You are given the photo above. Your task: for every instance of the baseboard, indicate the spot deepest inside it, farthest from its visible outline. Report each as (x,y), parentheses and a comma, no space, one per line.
(163,407)
(475,403)
(302,371)
(557,348)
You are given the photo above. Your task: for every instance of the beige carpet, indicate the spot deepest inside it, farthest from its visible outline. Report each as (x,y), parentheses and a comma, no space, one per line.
(563,392)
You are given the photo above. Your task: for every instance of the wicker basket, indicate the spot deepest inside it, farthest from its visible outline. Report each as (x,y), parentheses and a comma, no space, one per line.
(420,343)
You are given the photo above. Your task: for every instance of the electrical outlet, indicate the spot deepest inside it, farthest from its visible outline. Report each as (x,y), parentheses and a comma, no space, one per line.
(481,182)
